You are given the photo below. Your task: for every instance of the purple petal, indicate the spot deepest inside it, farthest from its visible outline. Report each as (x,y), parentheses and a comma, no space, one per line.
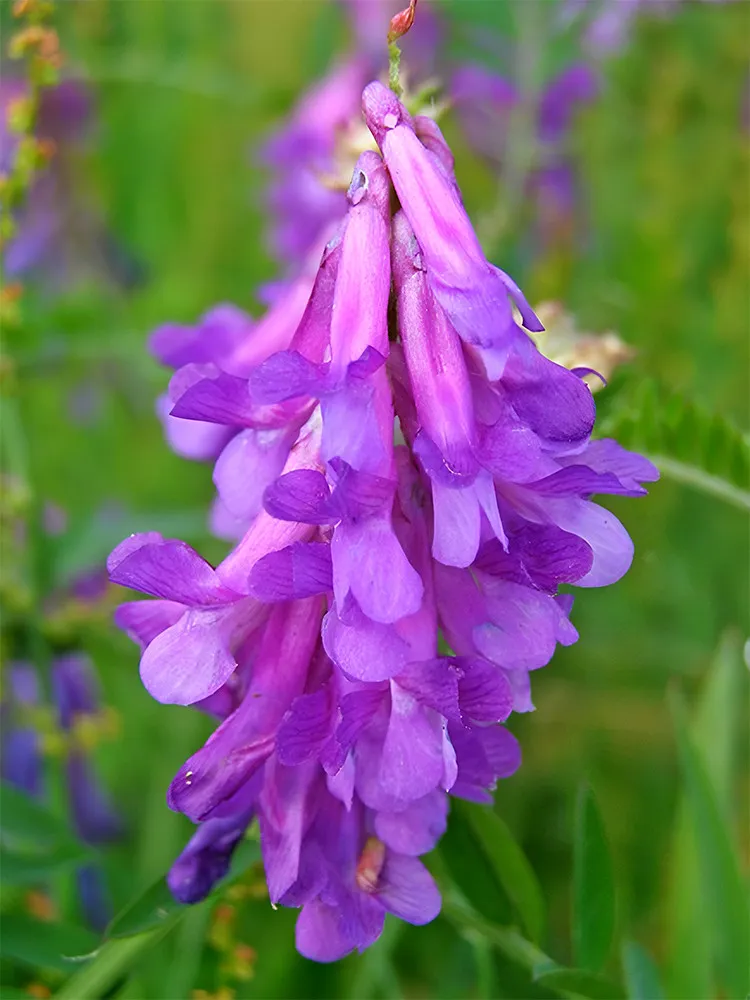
(211,339)
(556,404)
(22,762)
(580,480)
(341,784)
(193,439)
(412,757)
(300,495)
(472,293)
(306,727)
(302,569)
(483,691)
(224,525)
(456,526)
(520,684)
(326,933)
(612,546)
(523,626)
(166,568)
(607,456)
(351,428)
(359,494)
(408,890)
(368,561)
(502,750)
(245,740)
(435,684)
(190,660)
(142,621)
(283,818)
(246,466)
(552,556)
(577,84)
(363,649)
(286,375)
(358,710)
(484,755)
(416,829)
(206,857)
(214,397)
(529,317)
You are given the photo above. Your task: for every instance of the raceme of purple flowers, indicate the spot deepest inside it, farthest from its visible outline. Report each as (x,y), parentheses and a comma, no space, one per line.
(76,698)
(405,465)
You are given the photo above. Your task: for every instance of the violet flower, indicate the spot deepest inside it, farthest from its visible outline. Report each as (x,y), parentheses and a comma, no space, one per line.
(608,23)
(94,817)
(323,135)
(485,101)
(225,344)
(315,642)
(22,762)
(59,235)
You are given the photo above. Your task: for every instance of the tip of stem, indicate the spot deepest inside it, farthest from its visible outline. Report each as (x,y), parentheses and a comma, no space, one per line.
(401,22)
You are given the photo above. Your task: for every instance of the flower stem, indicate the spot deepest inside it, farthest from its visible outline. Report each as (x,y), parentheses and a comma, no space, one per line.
(394,69)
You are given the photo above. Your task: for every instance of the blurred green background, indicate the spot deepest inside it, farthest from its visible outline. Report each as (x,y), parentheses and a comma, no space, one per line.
(184,92)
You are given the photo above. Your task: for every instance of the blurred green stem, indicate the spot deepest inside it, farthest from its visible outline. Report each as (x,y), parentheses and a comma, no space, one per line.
(111,962)
(703,481)
(520,151)
(377,974)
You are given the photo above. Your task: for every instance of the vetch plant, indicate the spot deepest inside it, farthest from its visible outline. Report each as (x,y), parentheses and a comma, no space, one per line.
(405,465)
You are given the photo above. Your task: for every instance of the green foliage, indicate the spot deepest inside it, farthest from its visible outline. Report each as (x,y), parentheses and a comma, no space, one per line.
(110,963)
(593,885)
(509,864)
(34,842)
(724,892)
(184,94)
(641,973)
(156,905)
(686,441)
(46,945)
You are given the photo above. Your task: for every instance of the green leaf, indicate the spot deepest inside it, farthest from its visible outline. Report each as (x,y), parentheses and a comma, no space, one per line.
(110,962)
(156,905)
(717,732)
(579,983)
(593,885)
(687,442)
(641,973)
(471,870)
(28,868)
(544,970)
(45,945)
(688,966)
(509,864)
(33,841)
(25,823)
(149,910)
(139,927)
(717,729)
(727,917)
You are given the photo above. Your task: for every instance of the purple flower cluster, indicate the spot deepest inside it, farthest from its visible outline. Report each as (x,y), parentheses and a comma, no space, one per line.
(76,699)
(59,236)
(485,102)
(321,138)
(610,23)
(343,723)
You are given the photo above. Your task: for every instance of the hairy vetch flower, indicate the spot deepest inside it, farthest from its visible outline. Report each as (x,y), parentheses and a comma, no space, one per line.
(343,725)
